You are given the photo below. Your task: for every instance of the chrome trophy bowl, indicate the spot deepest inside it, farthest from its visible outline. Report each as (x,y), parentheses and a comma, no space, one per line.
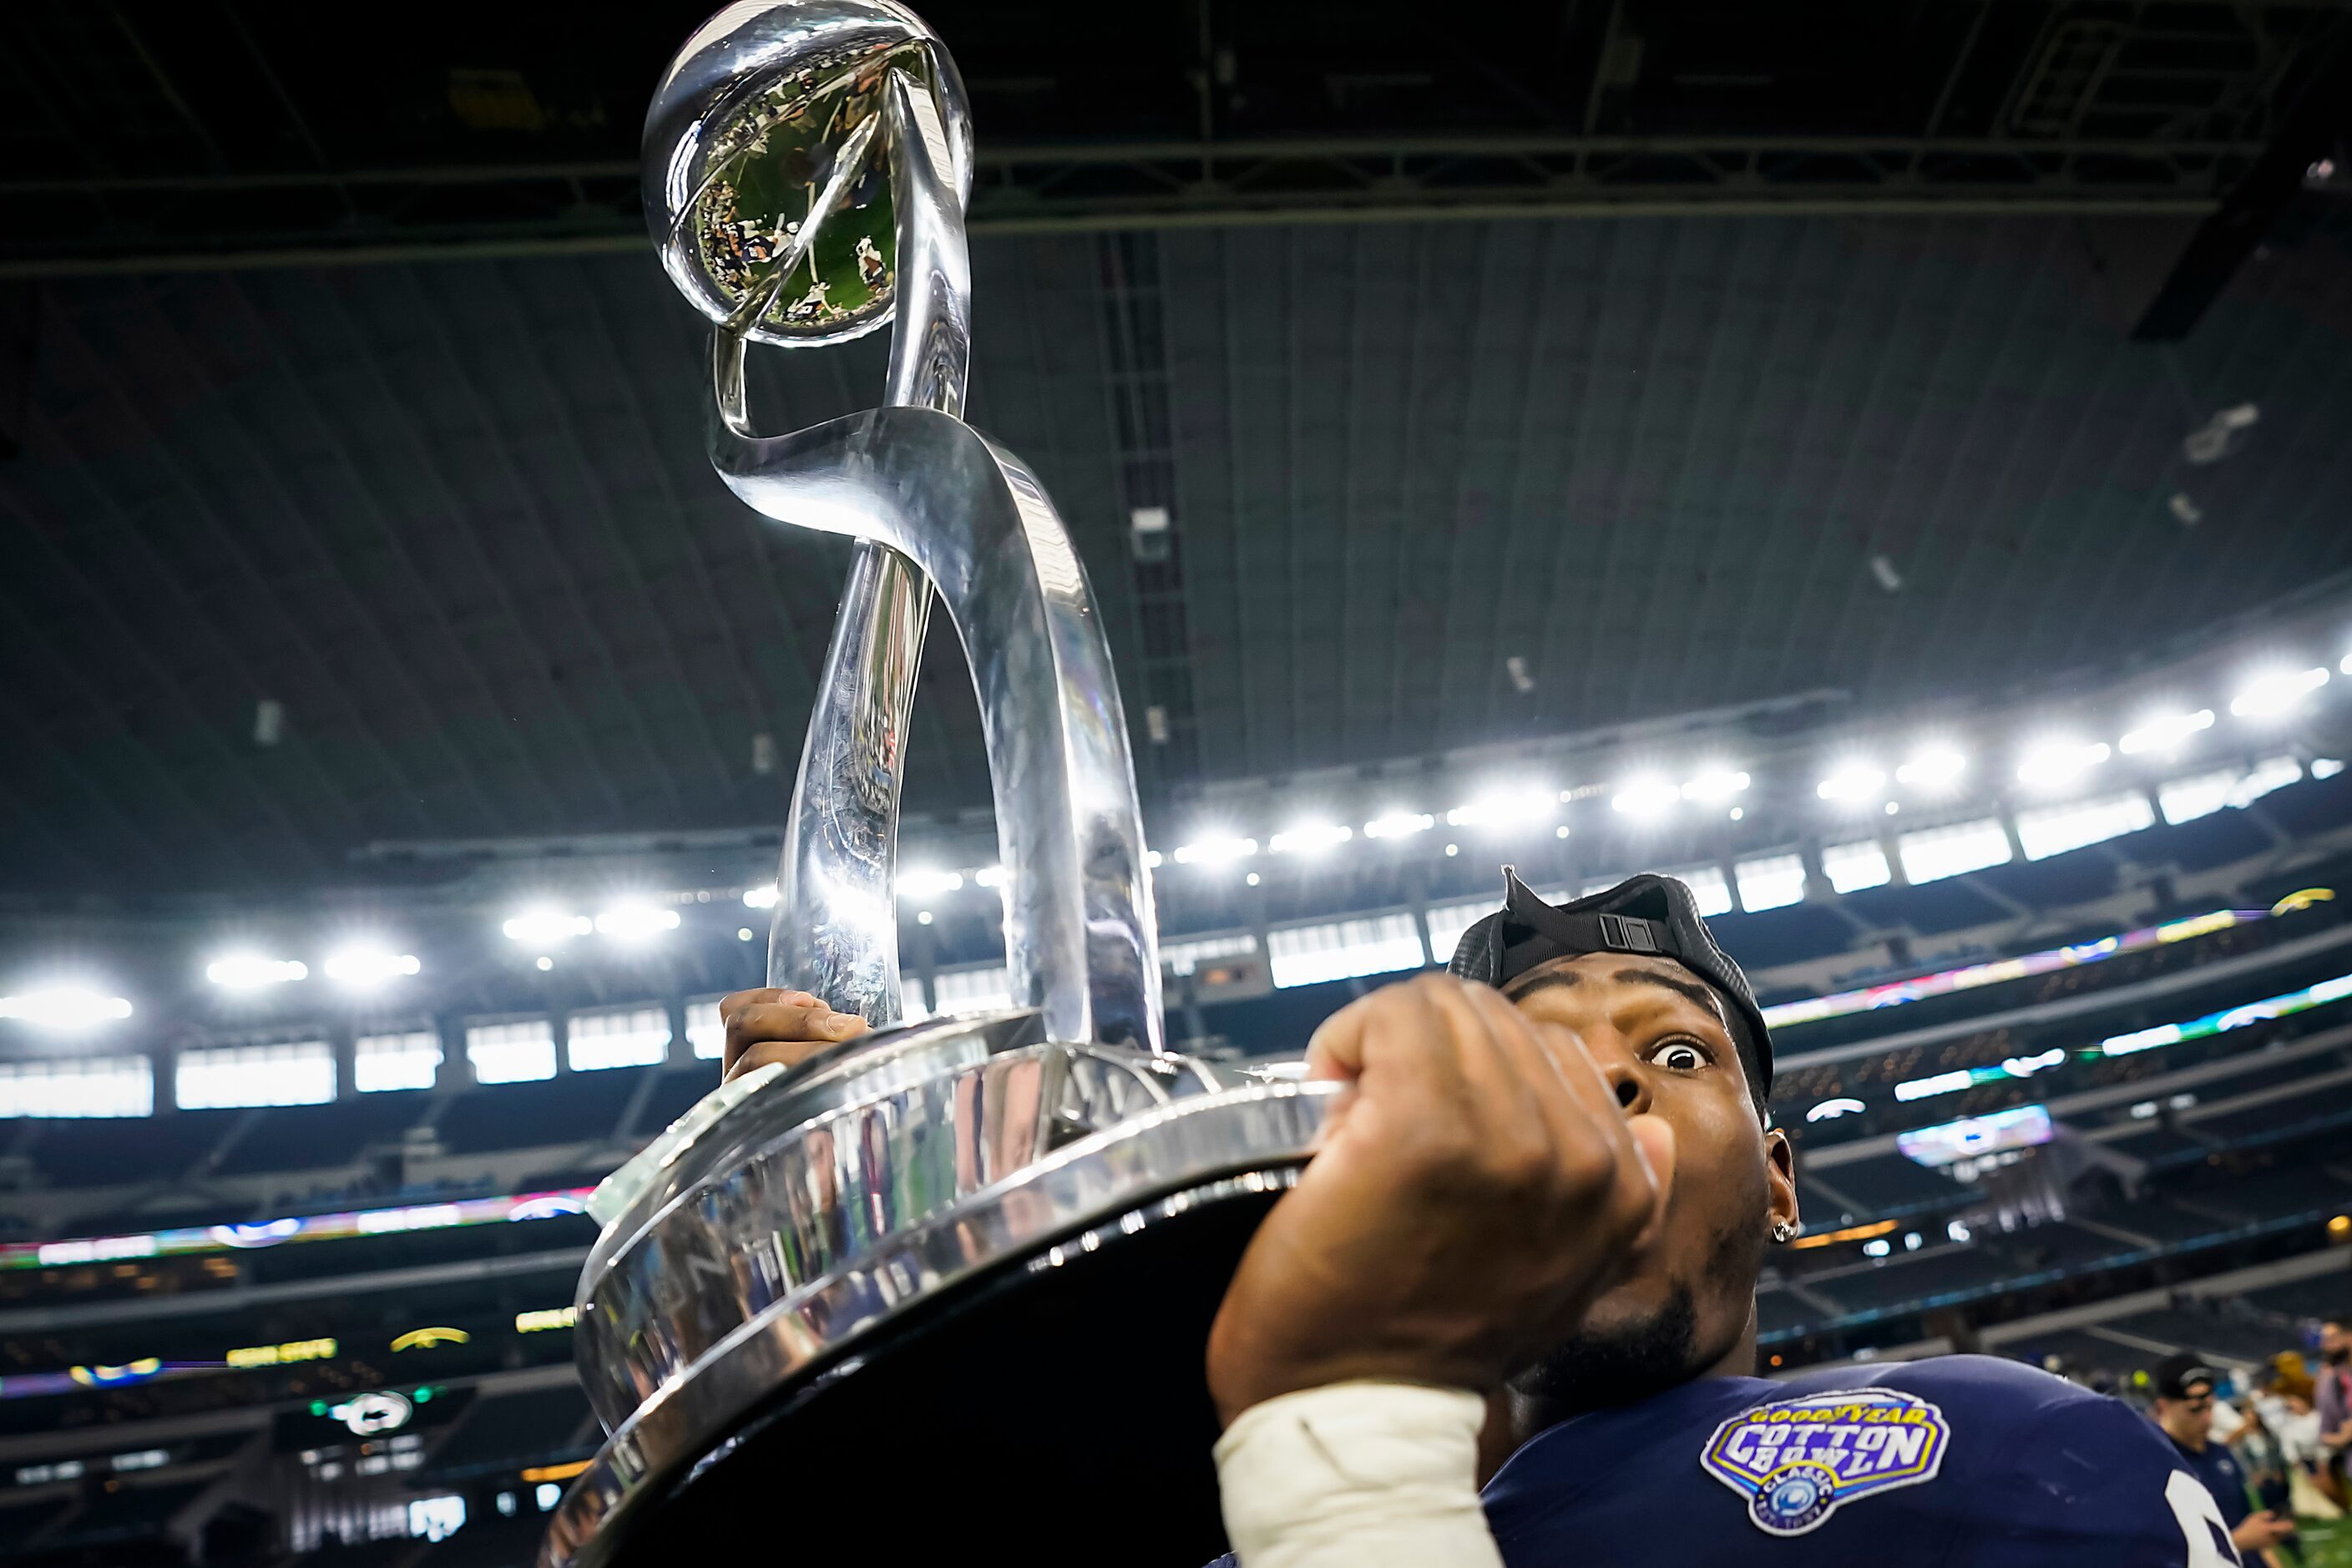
(943,1291)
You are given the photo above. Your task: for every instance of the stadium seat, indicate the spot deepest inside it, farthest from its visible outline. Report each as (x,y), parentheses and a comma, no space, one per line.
(2220,839)
(487,1541)
(2076,877)
(304,1137)
(2314,806)
(535,1426)
(131,1512)
(2239,1337)
(110,1153)
(674,1094)
(1889,1181)
(1797,935)
(1906,1279)
(2323,1295)
(578,1108)
(1778,1312)
(2079,1352)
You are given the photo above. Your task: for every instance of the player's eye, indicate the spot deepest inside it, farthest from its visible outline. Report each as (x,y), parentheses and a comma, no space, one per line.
(1678,1056)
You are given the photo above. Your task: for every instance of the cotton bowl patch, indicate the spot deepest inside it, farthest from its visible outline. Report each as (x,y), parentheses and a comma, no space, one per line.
(1797,1461)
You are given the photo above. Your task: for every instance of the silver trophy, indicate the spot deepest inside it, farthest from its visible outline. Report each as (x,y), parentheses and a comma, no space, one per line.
(945,1288)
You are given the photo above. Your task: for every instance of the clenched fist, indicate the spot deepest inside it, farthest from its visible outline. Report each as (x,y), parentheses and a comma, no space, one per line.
(1476,1189)
(788,1026)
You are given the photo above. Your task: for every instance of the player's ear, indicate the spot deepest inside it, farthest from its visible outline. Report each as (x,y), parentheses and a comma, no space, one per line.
(1781,1217)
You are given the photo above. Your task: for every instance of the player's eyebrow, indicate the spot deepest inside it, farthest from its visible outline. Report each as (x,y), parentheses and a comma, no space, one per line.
(1697,991)
(1693,990)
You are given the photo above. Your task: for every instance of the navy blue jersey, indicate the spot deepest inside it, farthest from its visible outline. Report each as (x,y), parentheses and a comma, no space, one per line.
(2219,1470)
(1954,1462)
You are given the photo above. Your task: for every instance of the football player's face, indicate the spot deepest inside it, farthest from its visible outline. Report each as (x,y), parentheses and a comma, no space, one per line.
(1660,1036)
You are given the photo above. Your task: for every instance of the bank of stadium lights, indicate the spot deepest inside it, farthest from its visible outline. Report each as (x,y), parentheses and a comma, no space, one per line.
(1932,768)
(2275,693)
(252,971)
(1399,824)
(1856,783)
(1311,838)
(2056,763)
(363,968)
(763,897)
(2165,733)
(546,927)
(634,922)
(1714,785)
(1507,809)
(64,1009)
(1216,849)
(1645,798)
(918,883)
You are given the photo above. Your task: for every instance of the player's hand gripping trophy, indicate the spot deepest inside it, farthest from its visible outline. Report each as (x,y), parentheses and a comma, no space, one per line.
(943,1287)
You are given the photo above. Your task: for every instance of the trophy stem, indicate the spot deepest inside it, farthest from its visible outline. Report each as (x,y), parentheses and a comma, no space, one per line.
(834,933)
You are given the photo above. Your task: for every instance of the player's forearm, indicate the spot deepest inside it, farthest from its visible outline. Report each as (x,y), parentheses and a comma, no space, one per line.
(1357,1475)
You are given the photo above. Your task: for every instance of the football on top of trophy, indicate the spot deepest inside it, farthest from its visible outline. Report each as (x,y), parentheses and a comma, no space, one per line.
(767,162)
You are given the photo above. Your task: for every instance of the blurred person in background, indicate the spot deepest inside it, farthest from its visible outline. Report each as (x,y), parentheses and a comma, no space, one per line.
(2184,1410)
(2332,1398)
(2283,1403)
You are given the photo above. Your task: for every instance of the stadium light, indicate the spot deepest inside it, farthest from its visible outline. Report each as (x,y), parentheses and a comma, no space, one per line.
(994,876)
(2276,692)
(2165,733)
(251,972)
(1399,824)
(1940,1083)
(1830,1109)
(1645,798)
(2056,763)
(545,928)
(1715,785)
(1216,849)
(1859,782)
(918,883)
(1503,809)
(1311,838)
(64,1009)
(361,966)
(763,897)
(636,922)
(1932,768)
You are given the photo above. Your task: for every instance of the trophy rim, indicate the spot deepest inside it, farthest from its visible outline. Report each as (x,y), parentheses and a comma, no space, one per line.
(836,1079)
(1102,1190)
(683,109)
(634,1338)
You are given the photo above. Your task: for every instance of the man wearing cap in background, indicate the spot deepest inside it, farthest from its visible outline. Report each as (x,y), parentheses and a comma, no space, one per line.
(1528,1244)
(2183,1387)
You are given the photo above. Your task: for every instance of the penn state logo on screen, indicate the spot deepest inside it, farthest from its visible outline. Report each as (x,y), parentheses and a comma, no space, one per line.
(1798,1461)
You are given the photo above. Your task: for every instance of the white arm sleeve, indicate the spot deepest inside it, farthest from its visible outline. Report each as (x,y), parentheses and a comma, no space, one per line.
(1357,1475)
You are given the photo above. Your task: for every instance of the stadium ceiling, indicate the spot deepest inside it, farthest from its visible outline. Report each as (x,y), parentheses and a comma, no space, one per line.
(241,135)
(352,488)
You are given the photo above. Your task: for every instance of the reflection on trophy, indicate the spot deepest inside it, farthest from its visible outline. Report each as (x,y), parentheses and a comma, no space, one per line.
(944,1289)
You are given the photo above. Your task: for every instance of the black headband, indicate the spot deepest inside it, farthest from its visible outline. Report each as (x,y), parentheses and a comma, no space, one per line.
(1646,914)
